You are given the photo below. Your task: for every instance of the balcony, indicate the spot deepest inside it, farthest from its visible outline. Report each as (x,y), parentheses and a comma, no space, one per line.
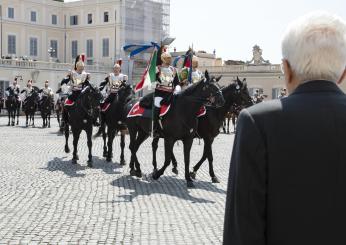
(40,65)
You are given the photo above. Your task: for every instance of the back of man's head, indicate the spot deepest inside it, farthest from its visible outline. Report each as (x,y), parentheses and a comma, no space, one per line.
(315,47)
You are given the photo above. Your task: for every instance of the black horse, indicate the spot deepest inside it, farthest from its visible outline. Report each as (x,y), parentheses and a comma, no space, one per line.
(46,108)
(13,106)
(180,123)
(30,107)
(81,117)
(209,125)
(114,119)
(1,103)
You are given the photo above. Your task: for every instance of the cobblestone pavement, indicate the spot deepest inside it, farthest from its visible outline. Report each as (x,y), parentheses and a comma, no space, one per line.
(44,199)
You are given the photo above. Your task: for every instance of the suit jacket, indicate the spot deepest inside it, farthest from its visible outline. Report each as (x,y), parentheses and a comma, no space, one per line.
(287,182)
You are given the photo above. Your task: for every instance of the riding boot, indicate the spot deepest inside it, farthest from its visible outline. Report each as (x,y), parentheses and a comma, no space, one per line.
(156,118)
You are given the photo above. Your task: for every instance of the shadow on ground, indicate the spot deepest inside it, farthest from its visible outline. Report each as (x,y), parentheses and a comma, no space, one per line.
(65,165)
(166,185)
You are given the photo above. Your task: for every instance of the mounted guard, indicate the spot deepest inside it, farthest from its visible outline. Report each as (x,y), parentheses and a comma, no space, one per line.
(166,76)
(78,78)
(27,91)
(112,84)
(45,93)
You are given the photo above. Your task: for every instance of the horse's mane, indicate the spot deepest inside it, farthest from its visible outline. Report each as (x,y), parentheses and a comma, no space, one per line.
(190,90)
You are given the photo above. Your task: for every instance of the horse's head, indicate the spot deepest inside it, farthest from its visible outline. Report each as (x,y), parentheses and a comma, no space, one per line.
(212,91)
(90,100)
(125,91)
(242,96)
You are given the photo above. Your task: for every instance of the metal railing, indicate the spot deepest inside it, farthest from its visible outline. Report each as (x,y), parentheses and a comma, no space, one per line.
(41,65)
(243,68)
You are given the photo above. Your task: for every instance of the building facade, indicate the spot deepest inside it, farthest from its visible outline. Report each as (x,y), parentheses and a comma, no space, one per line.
(45,31)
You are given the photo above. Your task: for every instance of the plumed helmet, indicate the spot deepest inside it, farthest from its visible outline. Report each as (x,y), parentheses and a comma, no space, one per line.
(165,56)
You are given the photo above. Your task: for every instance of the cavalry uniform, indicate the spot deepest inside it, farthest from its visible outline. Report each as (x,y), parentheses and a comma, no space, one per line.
(28,91)
(165,75)
(112,84)
(196,76)
(46,92)
(164,87)
(15,88)
(76,82)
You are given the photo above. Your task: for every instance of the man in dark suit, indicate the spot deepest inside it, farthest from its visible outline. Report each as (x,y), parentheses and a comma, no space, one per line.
(287,183)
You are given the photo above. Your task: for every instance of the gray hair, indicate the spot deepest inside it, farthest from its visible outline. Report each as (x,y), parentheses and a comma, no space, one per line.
(315,47)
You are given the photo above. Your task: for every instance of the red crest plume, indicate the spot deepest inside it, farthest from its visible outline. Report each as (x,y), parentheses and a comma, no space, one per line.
(119,62)
(82,57)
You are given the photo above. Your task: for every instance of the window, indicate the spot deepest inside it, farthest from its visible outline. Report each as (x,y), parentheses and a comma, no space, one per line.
(105,17)
(33,16)
(54,46)
(90,18)
(74,20)
(74,46)
(54,19)
(105,47)
(90,51)
(11,13)
(11,44)
(33,46)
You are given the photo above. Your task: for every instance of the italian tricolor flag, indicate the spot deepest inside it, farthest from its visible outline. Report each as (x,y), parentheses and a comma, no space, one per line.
(149,75)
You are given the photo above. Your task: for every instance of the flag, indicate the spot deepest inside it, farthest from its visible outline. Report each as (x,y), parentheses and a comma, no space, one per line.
(188,63)
(149,75)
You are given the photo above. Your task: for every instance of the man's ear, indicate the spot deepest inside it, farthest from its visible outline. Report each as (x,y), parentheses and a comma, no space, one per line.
(287,70)
(342,78)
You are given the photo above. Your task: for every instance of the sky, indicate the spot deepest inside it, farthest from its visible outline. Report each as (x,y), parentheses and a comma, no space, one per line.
(232,28)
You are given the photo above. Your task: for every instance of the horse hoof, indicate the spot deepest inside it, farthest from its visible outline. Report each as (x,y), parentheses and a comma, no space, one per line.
(155,175)
(122,162)
(175,171)
(215,179)
(67,150)
(90,164)
(193,175)
(108,159)
(139,173)
(133,172)
(74,161)
(105,153)
(76,157)
(190,184)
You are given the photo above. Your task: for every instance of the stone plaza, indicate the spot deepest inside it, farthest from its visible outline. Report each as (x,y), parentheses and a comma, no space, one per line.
(46,200)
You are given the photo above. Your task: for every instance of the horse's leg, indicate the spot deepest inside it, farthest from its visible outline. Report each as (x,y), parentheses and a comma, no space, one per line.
(67,134)
(9,117)
(27,119)
(76,134)
(33,119)
(169,143)
(48,120)
(214,179)
(142,136)
(90,144)
(228,119)
(175,164)
(200,162)
(122,146)
(187,148)
(154,146)
(133,136)
(104,137)
(224,125)
(111,135)
(18,110)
